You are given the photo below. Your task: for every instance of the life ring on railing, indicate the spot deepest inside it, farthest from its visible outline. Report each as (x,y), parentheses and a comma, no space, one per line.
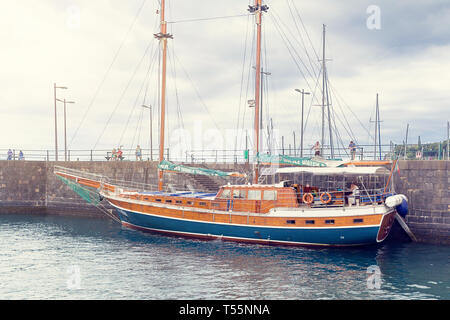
(308,198)
(328,197)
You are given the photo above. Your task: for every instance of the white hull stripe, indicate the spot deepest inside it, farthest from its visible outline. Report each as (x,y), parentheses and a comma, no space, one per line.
(242,225)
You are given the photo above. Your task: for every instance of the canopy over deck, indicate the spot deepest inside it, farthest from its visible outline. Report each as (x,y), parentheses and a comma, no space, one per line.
(335,171)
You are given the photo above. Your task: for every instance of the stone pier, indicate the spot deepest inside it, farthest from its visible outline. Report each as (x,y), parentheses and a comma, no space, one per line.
(427,186)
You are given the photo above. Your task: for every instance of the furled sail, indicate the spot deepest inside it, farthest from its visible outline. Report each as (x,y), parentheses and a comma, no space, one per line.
(169,166)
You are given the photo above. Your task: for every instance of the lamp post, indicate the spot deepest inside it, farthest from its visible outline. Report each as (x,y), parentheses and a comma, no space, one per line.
(151,130)
(65,126)
(301,132)
(56,120)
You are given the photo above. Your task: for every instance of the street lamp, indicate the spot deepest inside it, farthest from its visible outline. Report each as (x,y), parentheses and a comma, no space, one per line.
(151,130)
(56,121)
(65,126)
(301,132)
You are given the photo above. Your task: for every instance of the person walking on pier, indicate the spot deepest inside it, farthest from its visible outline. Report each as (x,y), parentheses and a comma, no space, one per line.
(120,154)
(352,147)
(21,157)
(114,154)
(138,153)
(316,148)
(9,155)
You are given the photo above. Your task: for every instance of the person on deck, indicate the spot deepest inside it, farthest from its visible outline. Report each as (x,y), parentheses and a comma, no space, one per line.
(9,155)
(114,154)
(355,194)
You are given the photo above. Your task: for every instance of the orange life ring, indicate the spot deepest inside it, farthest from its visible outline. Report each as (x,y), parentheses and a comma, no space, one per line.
(308,198)
(325,194)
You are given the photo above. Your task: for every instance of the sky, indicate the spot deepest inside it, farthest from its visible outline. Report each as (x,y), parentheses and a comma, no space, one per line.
(106,54)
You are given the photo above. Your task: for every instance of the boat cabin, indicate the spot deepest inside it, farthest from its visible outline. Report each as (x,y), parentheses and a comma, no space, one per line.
(255,198)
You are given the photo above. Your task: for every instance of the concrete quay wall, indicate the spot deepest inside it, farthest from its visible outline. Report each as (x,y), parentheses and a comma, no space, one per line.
(427,186)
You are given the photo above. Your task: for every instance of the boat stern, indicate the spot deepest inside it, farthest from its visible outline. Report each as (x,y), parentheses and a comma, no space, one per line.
(386,225)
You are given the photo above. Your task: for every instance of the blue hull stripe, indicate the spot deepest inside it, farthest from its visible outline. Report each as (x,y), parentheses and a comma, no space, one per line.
(311,236)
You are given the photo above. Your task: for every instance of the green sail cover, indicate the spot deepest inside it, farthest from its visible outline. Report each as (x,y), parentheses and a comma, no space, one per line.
(89,195)
(169,166)
(283,159)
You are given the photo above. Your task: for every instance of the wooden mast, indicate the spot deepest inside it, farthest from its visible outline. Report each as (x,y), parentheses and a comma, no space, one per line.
(162,37)
(258,8)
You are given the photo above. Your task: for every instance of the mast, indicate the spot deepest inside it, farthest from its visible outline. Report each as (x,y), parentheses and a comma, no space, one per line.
(377,143)
(258,9)
(323,92)
(162,37)
(379,128)
(376,130)
(330,127)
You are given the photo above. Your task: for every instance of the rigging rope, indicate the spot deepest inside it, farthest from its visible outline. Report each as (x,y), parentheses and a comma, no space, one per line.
(122,95)
(211,18)
(242,85)
(197,92)
(107,72)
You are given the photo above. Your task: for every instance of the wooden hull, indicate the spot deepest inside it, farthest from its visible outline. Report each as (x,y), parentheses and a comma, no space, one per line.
(179,223)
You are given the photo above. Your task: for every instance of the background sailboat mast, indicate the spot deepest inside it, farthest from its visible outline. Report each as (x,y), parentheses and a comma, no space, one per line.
(323,92)
(258,5)
(162,37)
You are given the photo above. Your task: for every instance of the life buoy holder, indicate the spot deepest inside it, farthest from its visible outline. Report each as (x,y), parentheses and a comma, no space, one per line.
(328,195)
(308,198)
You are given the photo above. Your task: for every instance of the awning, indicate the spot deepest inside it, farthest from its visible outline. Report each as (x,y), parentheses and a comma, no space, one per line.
(335,171)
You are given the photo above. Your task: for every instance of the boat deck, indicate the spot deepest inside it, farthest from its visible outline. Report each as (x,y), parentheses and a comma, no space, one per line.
(185,194)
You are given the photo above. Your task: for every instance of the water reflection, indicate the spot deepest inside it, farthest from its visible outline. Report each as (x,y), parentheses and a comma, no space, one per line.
(117,263)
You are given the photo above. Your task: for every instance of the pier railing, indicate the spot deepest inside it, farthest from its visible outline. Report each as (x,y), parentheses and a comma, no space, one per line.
(363,152)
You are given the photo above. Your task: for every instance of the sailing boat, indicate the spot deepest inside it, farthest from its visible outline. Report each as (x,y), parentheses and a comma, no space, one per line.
(294,212)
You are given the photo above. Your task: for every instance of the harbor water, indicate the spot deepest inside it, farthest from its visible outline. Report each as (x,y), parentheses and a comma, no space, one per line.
(56,257)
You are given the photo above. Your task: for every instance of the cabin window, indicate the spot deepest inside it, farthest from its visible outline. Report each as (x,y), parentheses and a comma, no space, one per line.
(146,198)
(158,200)
(358,220)
(239,194)
(270,195)
(226,194)
(190,202)
(290,221)
(202,203)
(216,204)
(168,201)
(309,221)
(329,221)
(179,201)
(254,194)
